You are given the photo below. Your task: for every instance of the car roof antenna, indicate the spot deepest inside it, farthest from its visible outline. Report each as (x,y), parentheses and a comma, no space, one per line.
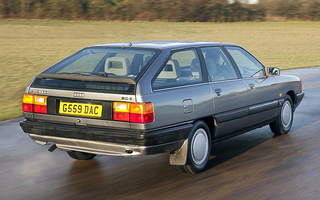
(129,44)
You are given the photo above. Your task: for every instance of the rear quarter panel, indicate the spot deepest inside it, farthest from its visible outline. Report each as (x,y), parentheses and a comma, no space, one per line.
(168,105)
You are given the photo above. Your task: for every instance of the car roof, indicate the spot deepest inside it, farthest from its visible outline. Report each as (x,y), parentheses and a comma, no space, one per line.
(163,44)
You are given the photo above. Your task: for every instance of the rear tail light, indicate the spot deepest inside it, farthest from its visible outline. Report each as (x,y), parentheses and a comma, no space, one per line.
(27,103)
(141,113)
(34,103)
(133,112)
(121,111)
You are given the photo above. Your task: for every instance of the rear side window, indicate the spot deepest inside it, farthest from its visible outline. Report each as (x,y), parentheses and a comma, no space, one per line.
(218,66)
(182,68)
(247,64)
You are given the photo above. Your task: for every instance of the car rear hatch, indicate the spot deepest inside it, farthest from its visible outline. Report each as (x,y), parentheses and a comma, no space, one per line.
(80,100)
(93,87)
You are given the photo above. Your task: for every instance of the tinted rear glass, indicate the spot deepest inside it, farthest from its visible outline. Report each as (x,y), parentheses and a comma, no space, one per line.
(97,63)
(114,62)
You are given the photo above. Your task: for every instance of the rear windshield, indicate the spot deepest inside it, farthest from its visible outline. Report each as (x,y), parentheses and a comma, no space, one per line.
(93,67)
(106,61)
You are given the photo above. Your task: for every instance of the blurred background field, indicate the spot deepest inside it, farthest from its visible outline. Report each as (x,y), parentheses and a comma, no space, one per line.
(30,46)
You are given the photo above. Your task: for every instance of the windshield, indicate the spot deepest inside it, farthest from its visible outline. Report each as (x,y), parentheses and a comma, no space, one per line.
(106,62)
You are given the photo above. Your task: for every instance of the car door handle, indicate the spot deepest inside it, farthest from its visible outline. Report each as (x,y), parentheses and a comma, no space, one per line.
(218,91)
(251,86)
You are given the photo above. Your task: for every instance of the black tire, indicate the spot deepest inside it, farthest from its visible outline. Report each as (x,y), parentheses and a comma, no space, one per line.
(199,148)
(80,155)
(283,123)
(181,168)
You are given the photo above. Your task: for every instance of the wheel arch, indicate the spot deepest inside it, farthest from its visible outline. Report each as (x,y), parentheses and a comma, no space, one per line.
(292,95)
(211,123)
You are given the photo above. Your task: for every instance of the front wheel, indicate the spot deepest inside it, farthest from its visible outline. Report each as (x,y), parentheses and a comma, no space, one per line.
(199,147)
(80,155)
(283,123)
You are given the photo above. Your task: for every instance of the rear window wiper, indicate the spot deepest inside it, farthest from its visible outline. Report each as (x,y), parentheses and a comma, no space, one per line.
(112,78)
(105,74)
(86,73)
(76,73)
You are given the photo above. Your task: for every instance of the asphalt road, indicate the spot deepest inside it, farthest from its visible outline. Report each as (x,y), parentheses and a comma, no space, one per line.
(255,165)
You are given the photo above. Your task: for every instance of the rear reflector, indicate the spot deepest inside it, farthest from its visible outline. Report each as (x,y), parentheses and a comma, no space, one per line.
(27,107)
(40,109)
(121,116)
(141,118)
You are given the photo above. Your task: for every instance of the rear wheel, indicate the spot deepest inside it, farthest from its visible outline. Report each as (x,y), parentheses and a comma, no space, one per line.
(199,147)
(80,155)
(283,123)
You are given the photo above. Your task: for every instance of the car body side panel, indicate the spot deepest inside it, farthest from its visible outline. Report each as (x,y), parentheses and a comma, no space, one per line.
(292,85)
(230,105)
(288,83)
(169,105)
(264,90)
(263,99)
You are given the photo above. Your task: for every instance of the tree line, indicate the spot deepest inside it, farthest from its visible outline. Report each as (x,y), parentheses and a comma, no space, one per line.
(162,10)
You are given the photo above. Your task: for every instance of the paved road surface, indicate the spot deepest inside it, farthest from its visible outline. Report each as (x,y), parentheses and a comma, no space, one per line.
(255,165)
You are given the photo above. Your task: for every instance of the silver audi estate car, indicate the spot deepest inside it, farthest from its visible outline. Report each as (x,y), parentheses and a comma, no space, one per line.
(141,98)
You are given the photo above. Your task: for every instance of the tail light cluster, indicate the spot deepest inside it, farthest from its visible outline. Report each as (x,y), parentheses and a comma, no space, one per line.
(34,103)
(122,111)
(133,112)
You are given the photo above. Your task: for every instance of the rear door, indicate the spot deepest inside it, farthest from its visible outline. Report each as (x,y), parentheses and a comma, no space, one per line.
(262,90)
(229,91)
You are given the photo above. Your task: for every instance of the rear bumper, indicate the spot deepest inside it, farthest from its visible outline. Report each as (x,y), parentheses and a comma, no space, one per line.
(104,141)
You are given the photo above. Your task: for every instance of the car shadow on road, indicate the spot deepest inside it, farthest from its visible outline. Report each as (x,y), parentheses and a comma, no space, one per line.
(232,148)
(117,177)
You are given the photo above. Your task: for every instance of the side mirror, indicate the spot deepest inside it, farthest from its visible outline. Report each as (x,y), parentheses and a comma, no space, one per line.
(272,71)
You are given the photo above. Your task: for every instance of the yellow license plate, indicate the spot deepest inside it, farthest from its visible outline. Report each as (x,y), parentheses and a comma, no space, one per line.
(80,109)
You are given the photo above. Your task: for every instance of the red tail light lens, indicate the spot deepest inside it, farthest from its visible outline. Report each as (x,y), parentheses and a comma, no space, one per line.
(141,113)
(27,107)
(121,116)
(40,109)
(34,103)
(133,112)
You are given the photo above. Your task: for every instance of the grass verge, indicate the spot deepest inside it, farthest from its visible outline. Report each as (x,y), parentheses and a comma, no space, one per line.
(30,46)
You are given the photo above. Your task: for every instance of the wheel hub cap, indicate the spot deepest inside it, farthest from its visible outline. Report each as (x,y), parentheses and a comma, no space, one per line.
(199,146)
(286,114)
